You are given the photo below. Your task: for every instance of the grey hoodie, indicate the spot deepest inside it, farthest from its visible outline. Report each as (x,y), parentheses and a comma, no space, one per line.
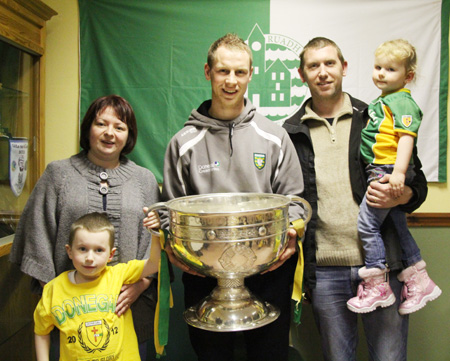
(246,154)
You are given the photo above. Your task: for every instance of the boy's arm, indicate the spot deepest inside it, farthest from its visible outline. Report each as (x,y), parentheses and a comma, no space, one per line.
(130,292)
(42,343)
(152,262)
(404,152)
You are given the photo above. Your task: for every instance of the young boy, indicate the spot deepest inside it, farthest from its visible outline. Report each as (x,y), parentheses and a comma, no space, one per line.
(387,144)
(81,303)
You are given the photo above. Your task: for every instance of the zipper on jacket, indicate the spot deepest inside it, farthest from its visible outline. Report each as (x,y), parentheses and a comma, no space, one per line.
(333,134)
(230,137)
(331,125)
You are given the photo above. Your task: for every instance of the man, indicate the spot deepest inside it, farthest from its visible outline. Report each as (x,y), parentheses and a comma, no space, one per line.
(215,153)
(326,132)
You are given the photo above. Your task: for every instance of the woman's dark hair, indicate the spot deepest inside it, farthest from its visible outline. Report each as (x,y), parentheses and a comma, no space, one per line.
(123,111)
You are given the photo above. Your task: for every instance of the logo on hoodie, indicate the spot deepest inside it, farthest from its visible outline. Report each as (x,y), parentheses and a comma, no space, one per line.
(206,168)
(276,89)
(259,159)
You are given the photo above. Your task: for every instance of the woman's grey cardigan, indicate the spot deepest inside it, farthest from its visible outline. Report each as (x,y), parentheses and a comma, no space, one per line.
(68,189)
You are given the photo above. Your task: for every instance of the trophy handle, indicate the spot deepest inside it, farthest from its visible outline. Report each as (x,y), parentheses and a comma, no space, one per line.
(306,207)
(155,207)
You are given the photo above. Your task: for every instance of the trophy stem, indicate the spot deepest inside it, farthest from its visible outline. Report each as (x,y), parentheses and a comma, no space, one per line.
(230,289)
(231,307)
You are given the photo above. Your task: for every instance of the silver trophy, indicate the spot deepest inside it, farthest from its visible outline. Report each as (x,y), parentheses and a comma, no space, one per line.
(230,236)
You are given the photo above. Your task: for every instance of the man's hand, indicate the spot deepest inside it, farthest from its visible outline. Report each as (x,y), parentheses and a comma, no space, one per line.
(178,263)
(288,252)
(379,194)
(307,297)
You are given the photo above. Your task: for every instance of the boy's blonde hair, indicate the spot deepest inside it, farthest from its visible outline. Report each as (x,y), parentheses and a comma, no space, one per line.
(93,222)
(399,50)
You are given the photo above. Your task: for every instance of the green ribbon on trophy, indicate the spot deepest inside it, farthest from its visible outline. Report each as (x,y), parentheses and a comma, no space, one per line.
(165,299)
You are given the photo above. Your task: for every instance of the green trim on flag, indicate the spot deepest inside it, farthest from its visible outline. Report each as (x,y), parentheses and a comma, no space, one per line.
(443,91)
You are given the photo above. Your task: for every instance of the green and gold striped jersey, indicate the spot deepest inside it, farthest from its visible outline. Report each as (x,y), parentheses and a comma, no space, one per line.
(389,115)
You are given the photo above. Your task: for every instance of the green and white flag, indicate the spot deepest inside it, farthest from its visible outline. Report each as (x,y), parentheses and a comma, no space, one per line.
(152,53)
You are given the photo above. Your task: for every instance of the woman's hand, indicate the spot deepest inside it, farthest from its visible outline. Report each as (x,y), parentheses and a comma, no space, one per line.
(288,252)
(129,294)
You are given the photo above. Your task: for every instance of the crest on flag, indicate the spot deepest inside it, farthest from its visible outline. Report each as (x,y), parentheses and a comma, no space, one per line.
(276,88)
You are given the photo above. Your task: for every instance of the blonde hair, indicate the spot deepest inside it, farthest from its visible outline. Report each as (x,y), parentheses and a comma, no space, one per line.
(93,222)
(399,50)
(230,41)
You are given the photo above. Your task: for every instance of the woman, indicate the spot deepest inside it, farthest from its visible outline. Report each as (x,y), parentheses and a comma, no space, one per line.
(98,179)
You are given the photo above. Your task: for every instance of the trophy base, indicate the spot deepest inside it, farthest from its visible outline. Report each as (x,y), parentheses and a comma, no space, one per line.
(221,315)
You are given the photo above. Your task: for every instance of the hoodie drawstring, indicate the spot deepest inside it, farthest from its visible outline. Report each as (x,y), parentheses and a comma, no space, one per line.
(230,137)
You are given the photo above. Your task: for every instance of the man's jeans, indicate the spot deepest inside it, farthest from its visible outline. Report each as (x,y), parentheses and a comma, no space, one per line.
(385,330)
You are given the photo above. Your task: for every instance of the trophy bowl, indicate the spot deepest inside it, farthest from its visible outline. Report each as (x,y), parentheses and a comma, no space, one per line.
(230,236)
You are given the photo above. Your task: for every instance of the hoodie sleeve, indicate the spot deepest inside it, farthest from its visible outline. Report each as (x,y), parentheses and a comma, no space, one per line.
(173,183)
(288,178)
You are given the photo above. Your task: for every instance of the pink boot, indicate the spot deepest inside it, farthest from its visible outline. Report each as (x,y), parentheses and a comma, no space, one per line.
(374,291)
(418,288)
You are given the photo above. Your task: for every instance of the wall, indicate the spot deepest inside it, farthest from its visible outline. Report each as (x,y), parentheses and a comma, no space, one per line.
(426,341)
(62,81)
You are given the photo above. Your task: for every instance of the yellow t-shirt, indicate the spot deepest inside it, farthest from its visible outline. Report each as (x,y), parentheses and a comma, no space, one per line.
(84,314)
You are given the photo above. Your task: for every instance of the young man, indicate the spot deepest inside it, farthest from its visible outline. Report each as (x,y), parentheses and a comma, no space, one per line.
(81,303)
(215,153)
(326,133)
